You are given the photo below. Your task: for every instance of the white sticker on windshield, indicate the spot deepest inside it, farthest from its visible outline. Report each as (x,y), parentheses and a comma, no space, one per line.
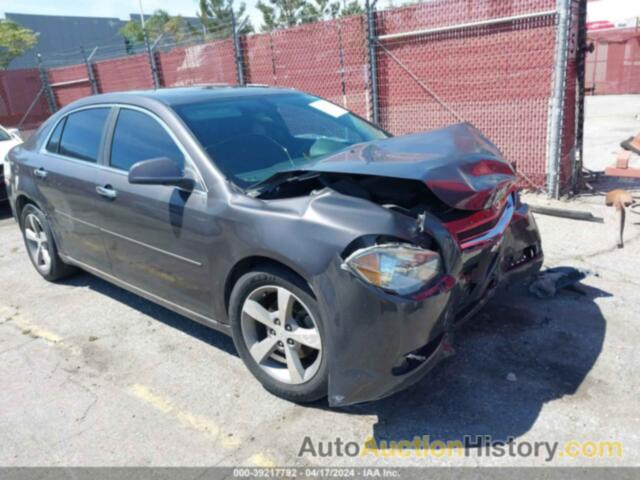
(328,108)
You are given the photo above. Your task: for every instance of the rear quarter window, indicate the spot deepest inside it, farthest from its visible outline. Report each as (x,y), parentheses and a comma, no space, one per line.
(54,140)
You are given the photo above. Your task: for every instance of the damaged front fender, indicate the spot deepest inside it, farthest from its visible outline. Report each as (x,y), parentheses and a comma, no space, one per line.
(380,343)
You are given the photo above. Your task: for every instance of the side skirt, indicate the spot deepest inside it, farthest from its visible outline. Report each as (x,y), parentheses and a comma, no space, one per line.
(197,317)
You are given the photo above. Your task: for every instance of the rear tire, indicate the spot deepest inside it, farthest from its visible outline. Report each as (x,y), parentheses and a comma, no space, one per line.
(278,332)
(41,246)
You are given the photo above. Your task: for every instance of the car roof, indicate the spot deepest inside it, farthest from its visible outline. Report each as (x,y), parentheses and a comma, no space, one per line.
(180,95)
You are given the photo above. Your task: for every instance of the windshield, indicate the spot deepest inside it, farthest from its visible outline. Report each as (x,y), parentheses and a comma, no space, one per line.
(252,138)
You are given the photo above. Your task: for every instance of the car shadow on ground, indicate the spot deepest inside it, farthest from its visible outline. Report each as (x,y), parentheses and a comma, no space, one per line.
(517,354)
(157,312)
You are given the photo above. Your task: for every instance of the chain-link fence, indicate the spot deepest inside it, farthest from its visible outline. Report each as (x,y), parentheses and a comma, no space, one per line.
(508,67)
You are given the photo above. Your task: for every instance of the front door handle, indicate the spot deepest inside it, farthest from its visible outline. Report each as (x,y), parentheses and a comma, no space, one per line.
(107,191)
(40,173)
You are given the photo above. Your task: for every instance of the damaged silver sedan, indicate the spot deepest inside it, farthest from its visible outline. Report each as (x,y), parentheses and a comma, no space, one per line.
(337,257)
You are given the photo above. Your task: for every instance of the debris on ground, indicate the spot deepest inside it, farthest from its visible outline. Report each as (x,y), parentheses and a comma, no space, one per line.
(549,281)
(624,166)
(566,213)
(512,377)
(632,144)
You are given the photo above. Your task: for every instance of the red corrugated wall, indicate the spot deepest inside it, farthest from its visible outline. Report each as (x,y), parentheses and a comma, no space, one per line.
(18,90)
(614,65)
(66,85)
(128,73)
(211,62)
(259,62)
(308,58)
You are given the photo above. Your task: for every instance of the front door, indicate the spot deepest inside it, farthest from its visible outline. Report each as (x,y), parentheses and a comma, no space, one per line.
(157,236)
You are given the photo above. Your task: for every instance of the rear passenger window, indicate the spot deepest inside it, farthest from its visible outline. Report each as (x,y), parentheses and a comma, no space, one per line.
(82,134)
(54,140)
(139,137)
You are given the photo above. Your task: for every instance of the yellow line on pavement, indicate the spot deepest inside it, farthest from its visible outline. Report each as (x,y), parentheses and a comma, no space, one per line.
(188,419)
(197,422)
(16,319)
(37,332)
(261,460)
(161,403)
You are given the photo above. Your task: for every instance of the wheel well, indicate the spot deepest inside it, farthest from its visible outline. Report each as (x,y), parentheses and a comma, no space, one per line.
(252,263)
(21,202)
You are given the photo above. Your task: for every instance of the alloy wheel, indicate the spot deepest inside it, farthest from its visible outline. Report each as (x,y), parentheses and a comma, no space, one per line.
(37,243)
(281,334)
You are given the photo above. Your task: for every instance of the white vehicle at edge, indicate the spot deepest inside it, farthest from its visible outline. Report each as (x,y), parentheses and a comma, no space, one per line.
(9,138)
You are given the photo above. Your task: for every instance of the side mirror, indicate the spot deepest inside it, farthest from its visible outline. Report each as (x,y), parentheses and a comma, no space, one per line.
(15,133)
(159,171)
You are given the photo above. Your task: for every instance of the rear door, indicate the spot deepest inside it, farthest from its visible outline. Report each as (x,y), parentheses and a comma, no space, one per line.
(66,174)
(157,236)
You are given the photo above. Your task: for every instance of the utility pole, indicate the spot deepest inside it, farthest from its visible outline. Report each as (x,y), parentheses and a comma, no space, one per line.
(141,14)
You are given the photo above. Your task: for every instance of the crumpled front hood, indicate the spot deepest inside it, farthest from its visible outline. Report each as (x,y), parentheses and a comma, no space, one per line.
(460,166)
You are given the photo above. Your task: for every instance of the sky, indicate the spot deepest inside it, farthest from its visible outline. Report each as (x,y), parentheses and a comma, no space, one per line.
(111,8)
(119,8)
(598,10)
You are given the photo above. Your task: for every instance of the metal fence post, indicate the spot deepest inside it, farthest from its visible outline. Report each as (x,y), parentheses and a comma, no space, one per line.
(556,107)
(373,67)
(236,48)
(90,73)
(583,49)
(343,84)
(273,59)
(152,60)
(51,100)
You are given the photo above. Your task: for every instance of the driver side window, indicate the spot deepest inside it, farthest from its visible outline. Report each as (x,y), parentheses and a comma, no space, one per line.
(137,137)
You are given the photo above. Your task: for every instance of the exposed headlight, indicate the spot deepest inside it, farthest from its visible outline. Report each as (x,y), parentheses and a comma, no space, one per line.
(399,267)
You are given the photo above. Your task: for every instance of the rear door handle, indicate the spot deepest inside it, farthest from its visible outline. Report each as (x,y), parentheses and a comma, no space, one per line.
(40,173)
(107,191)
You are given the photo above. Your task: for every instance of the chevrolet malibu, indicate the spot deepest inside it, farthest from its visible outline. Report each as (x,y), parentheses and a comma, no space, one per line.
(339,258)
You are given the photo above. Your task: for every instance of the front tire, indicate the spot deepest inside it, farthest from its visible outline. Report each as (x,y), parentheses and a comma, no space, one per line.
(278,333)
(41,245)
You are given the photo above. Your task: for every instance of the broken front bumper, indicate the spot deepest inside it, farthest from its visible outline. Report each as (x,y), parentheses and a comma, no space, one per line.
(380,343)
